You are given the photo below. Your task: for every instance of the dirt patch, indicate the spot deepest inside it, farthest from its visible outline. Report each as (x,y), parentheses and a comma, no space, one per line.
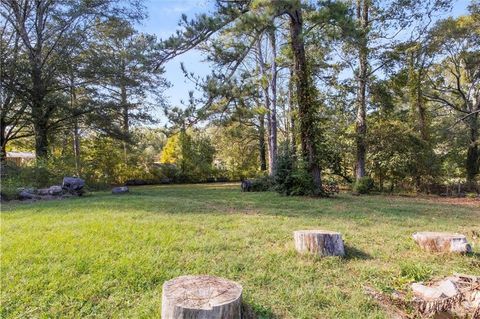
(470,202)
(459,201)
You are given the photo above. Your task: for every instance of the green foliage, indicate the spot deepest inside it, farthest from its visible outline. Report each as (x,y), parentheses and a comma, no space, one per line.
(261,184)
(237,152)
(363,185)
(192,153)
(292,177)
(471,195)
(41,174)
(101,87)
(165,172)
(398,156)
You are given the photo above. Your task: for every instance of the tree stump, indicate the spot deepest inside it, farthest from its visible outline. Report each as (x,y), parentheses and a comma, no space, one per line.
(442,242)
(319,242)
(201,297)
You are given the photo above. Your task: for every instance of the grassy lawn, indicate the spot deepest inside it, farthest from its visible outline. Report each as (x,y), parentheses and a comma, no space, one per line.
(107,256)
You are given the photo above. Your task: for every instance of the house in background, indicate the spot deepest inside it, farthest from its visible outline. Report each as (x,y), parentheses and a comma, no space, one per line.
(20,158)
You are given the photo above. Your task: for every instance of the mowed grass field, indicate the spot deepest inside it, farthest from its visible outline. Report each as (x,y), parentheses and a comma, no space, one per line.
(107,256)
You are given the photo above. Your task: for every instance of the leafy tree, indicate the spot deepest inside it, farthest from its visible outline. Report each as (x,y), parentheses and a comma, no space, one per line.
(378,25)
(45,27)
(237,153)
(455,81)
(13,115)
(192,154)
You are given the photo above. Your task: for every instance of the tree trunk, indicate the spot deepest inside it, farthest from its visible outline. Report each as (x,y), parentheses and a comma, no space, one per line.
(416,97)
(197,297)
(305,98)
(319,242)
(125,119)
(76,147)
(41,137)
(3,142)
(272,120)
(291,98)
(271,117)
(473,160)
(422,117)
(76,135)
(261,143)
(361,121)
(40,114)
(3,153)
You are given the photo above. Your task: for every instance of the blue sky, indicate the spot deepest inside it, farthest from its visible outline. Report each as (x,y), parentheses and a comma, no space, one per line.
(163,17)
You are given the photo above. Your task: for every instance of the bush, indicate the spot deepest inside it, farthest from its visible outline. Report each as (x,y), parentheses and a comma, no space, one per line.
(330,188)
(363,185)
(292,179)
(261,184)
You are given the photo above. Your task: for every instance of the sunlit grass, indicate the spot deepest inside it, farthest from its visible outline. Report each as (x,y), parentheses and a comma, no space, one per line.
(108,256)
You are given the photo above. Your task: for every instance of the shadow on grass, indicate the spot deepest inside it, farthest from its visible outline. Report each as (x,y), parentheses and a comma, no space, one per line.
(352,253)
(254,311)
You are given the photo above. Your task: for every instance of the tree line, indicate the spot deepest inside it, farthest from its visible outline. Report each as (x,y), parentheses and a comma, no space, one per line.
(357,90)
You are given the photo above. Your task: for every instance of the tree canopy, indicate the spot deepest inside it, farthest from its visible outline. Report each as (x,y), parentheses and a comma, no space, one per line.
(360,92)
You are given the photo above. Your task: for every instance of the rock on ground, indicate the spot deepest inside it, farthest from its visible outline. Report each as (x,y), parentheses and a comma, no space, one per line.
(120,190)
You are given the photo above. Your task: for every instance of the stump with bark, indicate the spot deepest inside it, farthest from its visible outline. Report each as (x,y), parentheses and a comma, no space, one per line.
(442,242)
(319,242)
(202,297)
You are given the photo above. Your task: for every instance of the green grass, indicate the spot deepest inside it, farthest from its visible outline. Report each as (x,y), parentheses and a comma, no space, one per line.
(107,256)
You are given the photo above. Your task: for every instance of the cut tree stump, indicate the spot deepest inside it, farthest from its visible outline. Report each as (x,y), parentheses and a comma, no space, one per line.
(442,242)
(201,297)
(319,242)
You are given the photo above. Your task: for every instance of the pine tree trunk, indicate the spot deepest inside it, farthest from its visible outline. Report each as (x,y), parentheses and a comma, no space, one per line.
(76,135)
(273,109)
(125,119)
(76,147)
(271,112)
(361,121)
(305,99)
(261,143)
(291,97)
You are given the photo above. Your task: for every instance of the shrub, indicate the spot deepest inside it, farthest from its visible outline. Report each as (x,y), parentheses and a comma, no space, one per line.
(261,184)
(330,188)
(363,185)
(292,178)
(302,182)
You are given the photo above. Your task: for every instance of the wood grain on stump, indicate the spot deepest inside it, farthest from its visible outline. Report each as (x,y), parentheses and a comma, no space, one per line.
(201,297)
(319,242)
(442,242)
